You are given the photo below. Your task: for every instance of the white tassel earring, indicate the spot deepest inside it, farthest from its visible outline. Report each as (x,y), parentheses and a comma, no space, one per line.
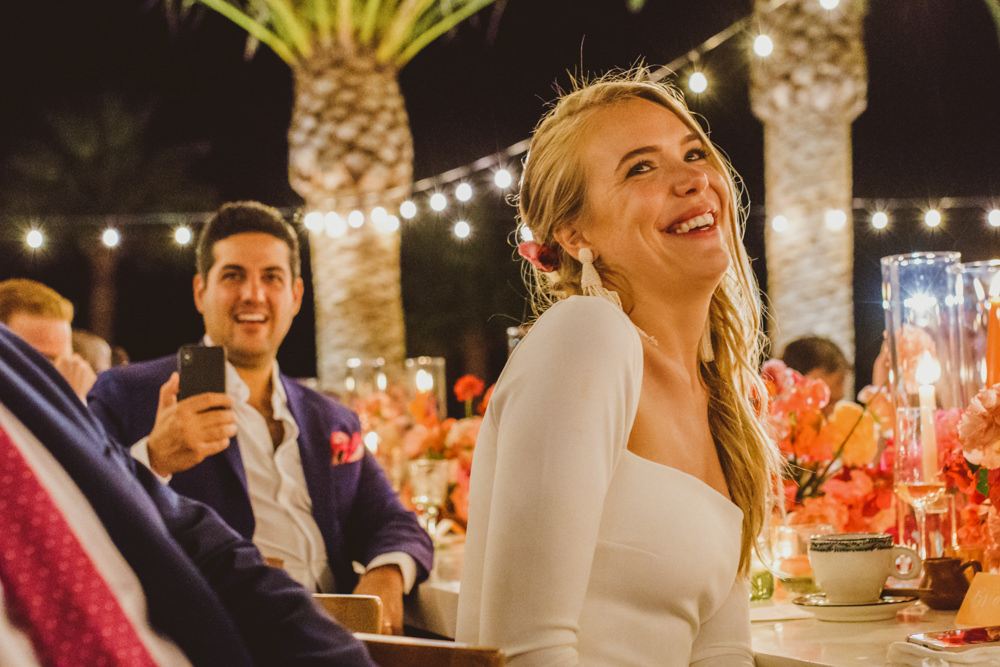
(590,280)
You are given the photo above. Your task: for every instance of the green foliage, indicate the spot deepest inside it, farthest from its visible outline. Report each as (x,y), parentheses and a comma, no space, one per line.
(395,30)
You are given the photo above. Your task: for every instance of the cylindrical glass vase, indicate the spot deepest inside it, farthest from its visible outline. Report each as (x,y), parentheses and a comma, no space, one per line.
(980,300)
(921,295)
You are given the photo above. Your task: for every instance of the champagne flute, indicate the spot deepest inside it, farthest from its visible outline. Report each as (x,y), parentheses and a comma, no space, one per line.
(918,479)
(429,488)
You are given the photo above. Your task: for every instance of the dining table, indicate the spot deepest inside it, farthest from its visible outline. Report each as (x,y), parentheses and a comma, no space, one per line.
(783,634)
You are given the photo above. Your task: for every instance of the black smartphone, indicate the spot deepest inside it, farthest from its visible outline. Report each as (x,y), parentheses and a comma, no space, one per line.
(202,369)
(958,640)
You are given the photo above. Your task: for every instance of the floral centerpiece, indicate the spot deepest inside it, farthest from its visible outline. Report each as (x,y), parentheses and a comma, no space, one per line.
(410,430)
(835,473)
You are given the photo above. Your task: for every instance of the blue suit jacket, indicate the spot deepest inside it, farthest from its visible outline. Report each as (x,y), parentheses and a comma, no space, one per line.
(206,587)
(358,513)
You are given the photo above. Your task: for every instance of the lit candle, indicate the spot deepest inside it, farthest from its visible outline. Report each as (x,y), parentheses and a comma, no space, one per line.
(928,371)
(993,343)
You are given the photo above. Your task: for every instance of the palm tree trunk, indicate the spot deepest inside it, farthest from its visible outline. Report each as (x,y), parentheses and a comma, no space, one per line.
(808,92)
(350,148)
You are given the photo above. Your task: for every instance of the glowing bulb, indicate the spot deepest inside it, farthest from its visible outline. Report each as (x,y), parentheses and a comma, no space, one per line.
(835,219)
(313,221)
(34,239)
(355,218)
(371,441)
(526,234)
(829,4)
(763,46)
(408,209)
(378,214)
(387,224)
(462,229)
(932,218)
(182,235)
(779,223)
(335,225)
(110,238)
(697,82)
(502,179)
(993,217)
(928,369)
(880,220)
(423,380)
(463,192)
(438,202)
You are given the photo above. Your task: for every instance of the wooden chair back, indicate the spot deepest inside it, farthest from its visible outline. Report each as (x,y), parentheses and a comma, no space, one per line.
(393,651)
(357,613)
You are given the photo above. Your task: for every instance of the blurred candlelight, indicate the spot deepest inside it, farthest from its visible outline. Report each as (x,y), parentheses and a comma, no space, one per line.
(928,372)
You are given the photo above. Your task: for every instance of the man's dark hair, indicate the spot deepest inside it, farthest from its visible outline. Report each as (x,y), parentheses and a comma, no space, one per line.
(243,217)
(810,352)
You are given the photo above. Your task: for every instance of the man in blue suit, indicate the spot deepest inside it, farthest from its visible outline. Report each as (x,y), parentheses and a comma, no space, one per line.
(203,589)
(283,465)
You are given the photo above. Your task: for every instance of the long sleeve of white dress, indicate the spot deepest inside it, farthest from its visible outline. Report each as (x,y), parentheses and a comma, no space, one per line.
(578,551)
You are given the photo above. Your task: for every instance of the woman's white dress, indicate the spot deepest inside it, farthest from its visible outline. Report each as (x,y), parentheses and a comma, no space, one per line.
(578,551)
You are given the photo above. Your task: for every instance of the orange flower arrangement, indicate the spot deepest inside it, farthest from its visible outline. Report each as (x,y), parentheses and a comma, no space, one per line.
(452,439)
(832,475)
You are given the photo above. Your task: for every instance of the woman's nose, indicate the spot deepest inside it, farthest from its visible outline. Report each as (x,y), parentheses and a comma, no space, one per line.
(690,180)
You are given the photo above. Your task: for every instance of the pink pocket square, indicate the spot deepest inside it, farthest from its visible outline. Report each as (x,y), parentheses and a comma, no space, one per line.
(345,448)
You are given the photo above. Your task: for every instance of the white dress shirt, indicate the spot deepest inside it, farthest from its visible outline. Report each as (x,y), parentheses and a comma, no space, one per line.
(282,508)
(15,646)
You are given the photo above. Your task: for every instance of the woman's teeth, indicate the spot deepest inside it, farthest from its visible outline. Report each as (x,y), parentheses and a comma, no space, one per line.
(699,222)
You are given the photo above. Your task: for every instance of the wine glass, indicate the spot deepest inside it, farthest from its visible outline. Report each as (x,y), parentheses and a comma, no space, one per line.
(918,478)
(429,488)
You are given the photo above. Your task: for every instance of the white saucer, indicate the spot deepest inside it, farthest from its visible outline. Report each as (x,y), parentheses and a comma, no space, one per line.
(824,610)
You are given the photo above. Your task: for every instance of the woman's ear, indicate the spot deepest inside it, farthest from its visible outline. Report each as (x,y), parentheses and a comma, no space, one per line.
(571,239)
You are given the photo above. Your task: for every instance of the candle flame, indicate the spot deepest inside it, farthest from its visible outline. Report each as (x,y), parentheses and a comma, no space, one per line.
(424,380)
(928,369)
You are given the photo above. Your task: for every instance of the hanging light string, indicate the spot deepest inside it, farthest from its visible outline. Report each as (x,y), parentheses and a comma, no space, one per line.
(463,183)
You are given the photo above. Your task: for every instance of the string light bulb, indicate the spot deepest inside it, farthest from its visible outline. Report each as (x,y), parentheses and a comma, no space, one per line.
(335,225)
(387,224)
(835,219)
(993,217)
(829,4)
(313,221)
(110,238)
(182,235)
(34,239)
(355,219)
(697,82)
(880,220)
(932,218)
(502,179)
(763,46)
(463,192)
(779,223)
(408,209)
(438,202)
(462,229)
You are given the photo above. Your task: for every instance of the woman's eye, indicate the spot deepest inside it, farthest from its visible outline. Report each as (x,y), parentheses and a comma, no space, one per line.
(640,168)
(696,154)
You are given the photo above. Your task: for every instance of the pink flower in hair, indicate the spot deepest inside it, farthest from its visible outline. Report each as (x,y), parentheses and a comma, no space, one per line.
(541,257)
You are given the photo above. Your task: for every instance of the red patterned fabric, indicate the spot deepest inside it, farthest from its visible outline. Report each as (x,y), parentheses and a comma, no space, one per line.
(51,588)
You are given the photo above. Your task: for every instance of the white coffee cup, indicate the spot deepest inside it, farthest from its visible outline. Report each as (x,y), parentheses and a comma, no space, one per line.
(851,568)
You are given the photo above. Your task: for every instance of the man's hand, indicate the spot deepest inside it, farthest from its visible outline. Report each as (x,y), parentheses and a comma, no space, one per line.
(185,433)
(387,583)
(77,372)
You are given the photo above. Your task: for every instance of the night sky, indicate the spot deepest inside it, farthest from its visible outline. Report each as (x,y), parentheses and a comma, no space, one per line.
(930,131)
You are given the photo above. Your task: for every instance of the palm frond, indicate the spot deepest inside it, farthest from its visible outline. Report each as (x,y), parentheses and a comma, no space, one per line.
(395,30)
(253,28)
(424,37)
